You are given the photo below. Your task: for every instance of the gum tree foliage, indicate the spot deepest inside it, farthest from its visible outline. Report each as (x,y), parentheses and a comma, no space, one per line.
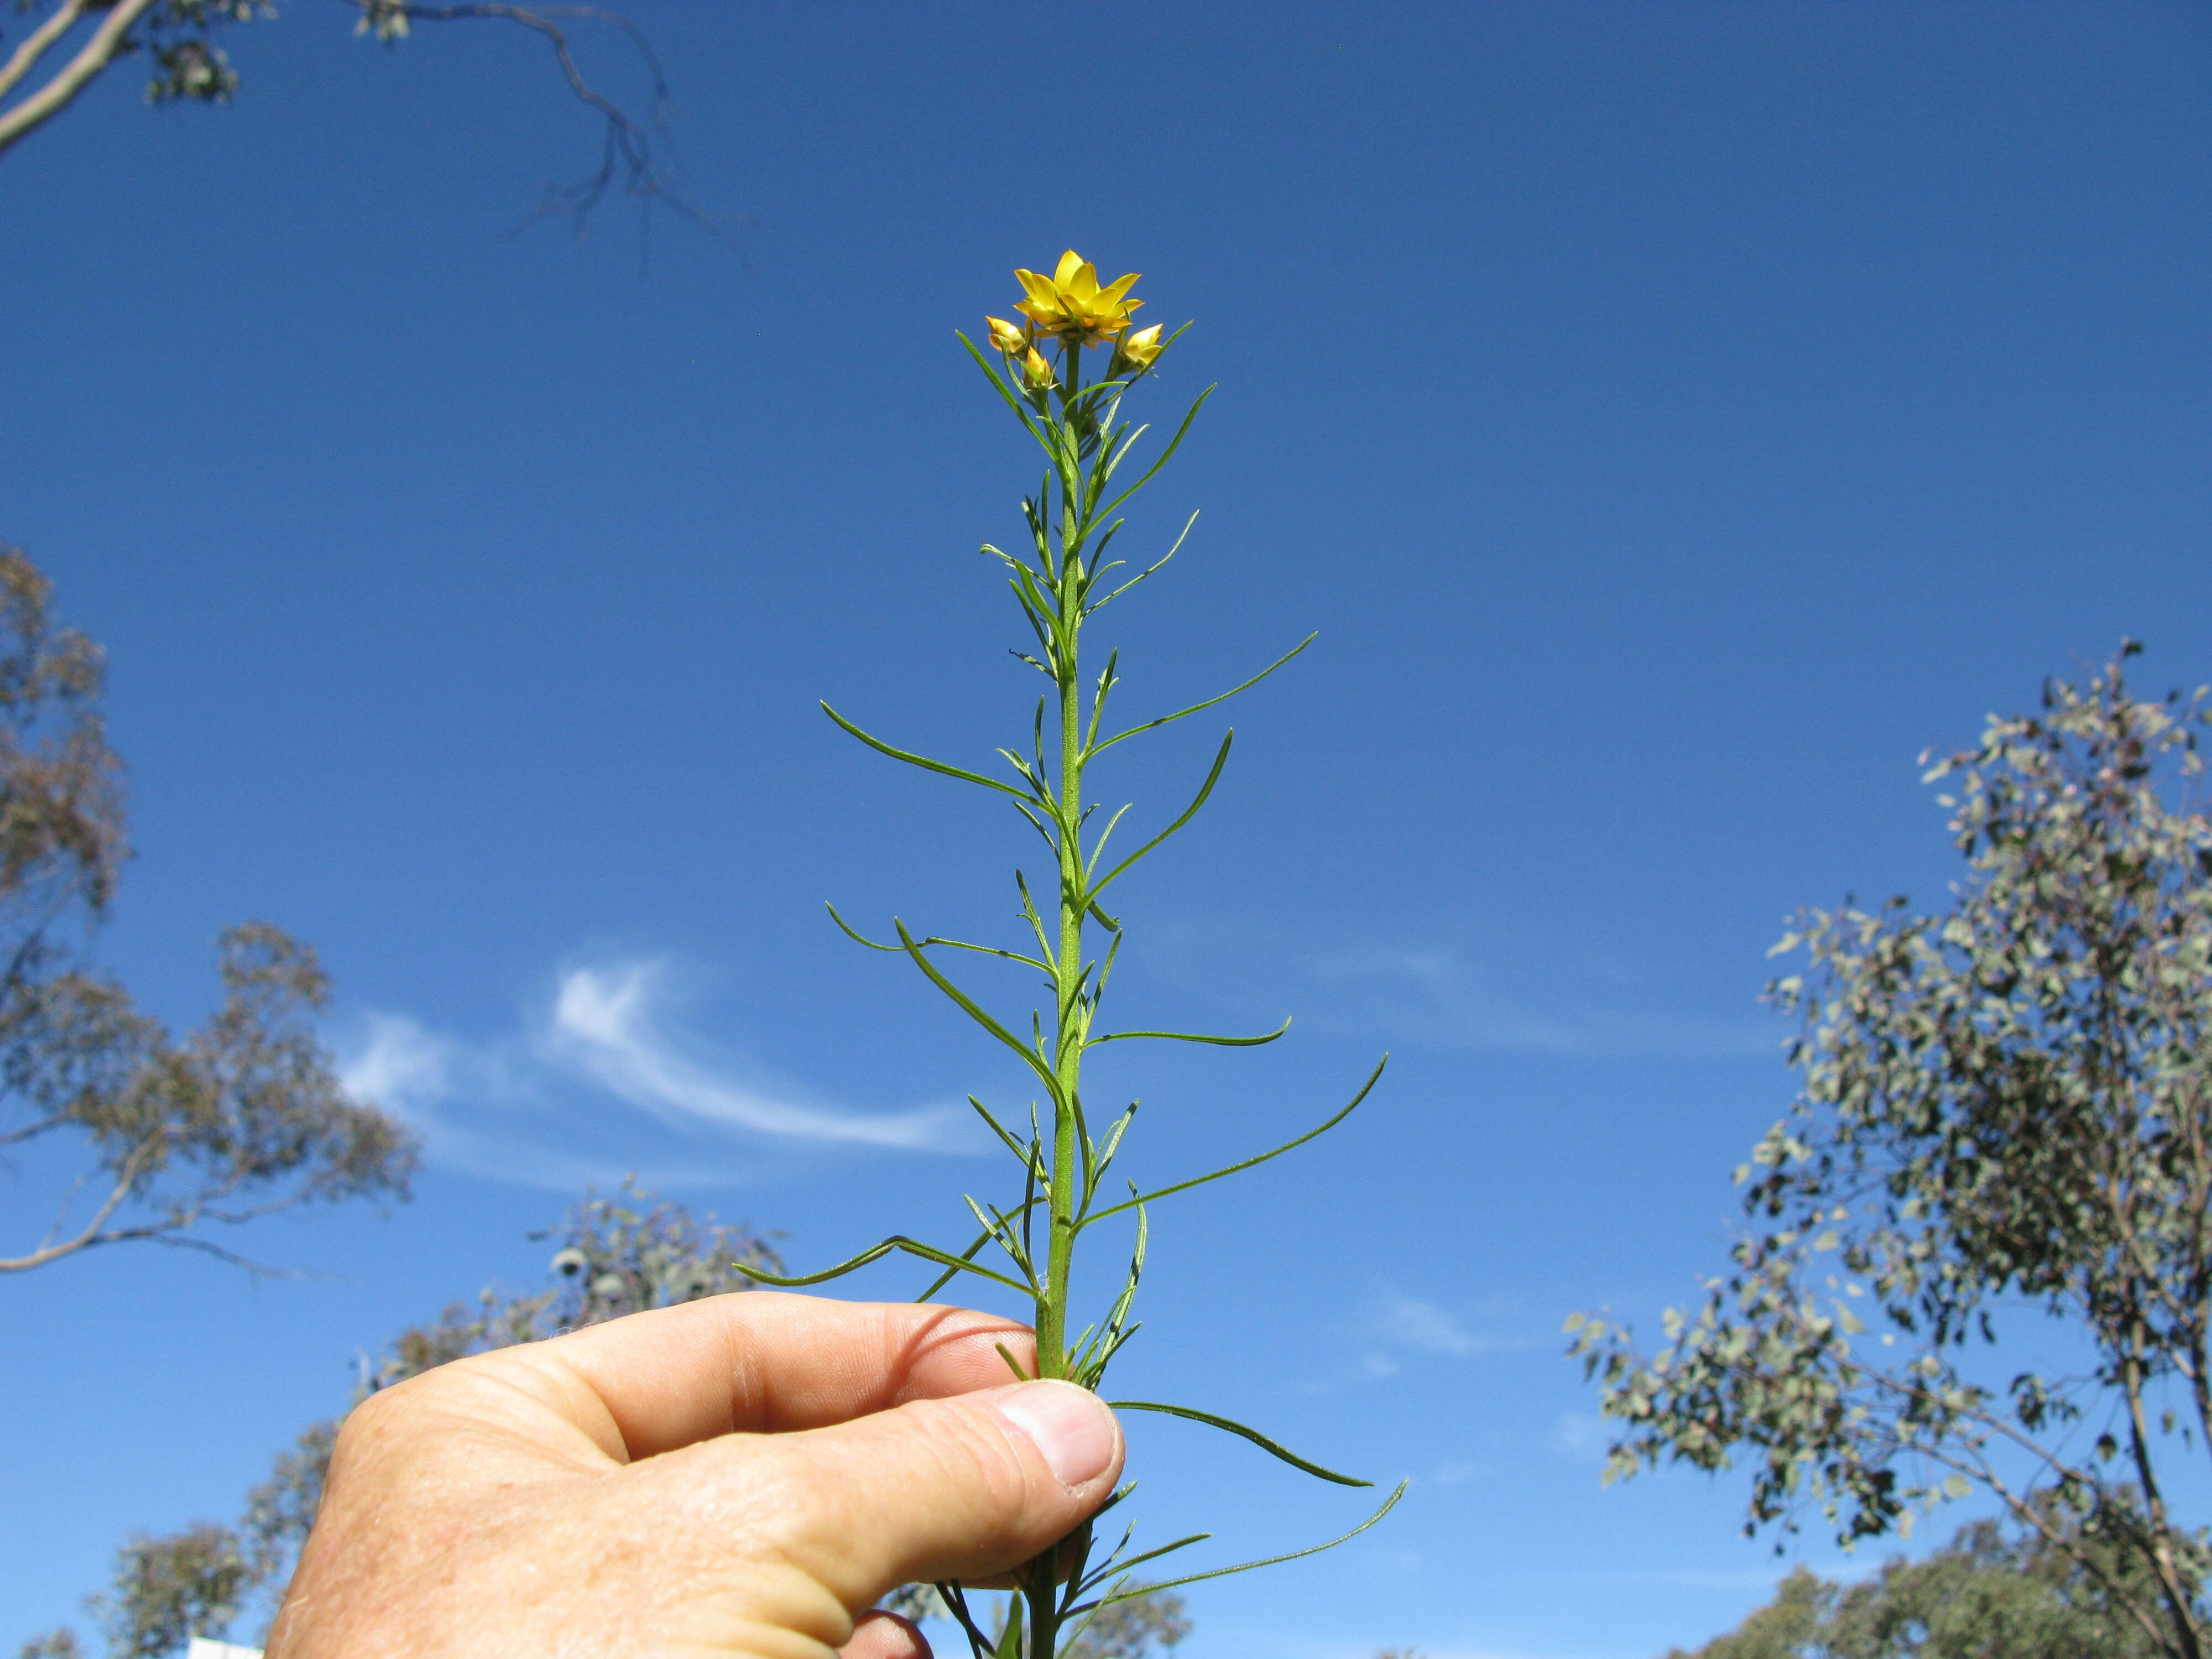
(169,1589)
(1148,1621)
(1990,1592)
(172,1137)
(2004,1132)
(617,1255)
(59,47)
(1138,1628)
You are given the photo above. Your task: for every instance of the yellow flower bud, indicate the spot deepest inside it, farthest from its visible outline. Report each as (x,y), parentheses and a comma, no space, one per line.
(1008,338)
(1138,350)
(1037,372)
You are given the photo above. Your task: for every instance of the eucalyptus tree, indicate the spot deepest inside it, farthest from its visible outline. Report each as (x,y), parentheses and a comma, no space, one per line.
(1977,1253)
(69,45)
(1992,1591)
(146,1136)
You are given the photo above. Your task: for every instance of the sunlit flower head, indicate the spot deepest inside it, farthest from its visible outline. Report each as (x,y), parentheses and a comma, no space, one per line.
(1008,337)
(1069,305)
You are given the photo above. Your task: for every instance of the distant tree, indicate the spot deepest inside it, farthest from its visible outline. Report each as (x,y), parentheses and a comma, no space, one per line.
(74,42)
(1146,1627)
(1784,1628)
(1991,1593)
(169,1589)
(617,1255)
(177,1136)
(2005,1129)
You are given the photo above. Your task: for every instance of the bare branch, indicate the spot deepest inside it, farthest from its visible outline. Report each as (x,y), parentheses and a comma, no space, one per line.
(96,54)
(126,1180)
(632,152)
(36,43)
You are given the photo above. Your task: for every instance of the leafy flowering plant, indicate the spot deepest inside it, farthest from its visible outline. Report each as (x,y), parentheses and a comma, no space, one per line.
(1060,579)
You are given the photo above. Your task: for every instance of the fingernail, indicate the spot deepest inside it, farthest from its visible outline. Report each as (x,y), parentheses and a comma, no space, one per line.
(1071,1426)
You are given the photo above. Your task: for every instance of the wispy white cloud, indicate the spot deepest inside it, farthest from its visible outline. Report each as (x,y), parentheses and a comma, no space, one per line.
(1509,998)
(1394,1328)
(1416,1324)
(1489,989)
(604,1022)
(1582,1436)
(531,1106)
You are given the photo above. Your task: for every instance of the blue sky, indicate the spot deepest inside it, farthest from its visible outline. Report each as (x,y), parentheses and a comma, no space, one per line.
(1673,418)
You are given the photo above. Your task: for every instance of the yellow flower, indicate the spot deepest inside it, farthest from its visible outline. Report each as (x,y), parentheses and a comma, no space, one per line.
(1037,372)
(1070,305)
(1008,338)
(1138,350)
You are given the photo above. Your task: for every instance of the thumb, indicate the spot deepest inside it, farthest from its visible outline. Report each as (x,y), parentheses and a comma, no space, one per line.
(934,1490)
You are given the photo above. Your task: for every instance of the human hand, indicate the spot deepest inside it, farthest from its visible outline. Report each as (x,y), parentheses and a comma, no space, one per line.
(736,1476)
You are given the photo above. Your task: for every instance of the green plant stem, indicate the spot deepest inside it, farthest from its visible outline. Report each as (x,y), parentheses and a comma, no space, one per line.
(1039,1587)
(1067,973)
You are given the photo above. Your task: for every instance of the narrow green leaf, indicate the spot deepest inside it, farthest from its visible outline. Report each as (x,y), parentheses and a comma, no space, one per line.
(1192,1036)
(1115,1569)
(955,1597)
(1157,564)
(1166,455)
(845,928)
(1388,1504)
(1013,1144)
(876,1253)
(1253,1435)
(1010,1639)
(950,1273)
(1198,707)
(1185,1186)
(1021,411)
(922,761)
(975,1011)
(1212,777)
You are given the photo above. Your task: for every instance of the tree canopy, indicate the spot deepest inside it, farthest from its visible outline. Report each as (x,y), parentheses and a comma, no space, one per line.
(175,1139)
(2004,1136)
(1991,1593)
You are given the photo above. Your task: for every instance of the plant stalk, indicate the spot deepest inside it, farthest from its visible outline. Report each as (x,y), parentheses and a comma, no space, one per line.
(1067,1038)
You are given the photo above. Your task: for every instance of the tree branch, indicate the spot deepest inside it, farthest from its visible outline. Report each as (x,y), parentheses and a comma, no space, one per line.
(31,1131)
(126,1179)
(35,44)
(629,151)
(2026,1512)
(97,53)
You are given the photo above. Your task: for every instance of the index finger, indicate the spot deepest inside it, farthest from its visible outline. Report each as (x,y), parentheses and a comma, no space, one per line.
(762,1362)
